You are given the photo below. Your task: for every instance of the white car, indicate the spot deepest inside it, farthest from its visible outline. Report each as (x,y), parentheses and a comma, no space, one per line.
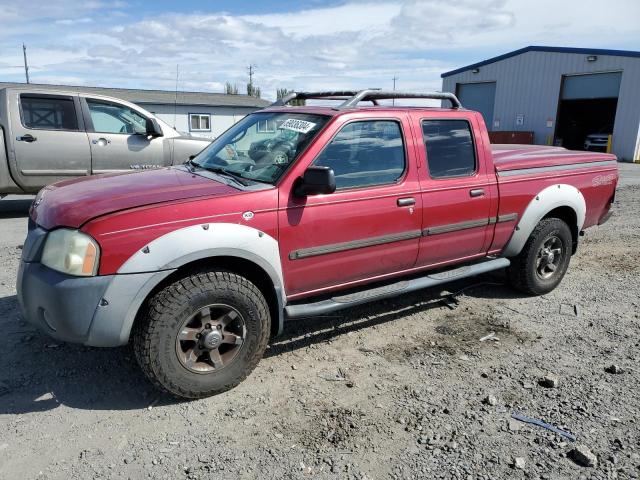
(598,141)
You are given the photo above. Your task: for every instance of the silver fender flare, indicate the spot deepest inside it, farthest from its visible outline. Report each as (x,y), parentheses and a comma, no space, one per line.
(180,247)
(552,197)
(184,245)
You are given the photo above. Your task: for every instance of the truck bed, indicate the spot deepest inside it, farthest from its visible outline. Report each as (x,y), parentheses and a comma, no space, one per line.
(515,157)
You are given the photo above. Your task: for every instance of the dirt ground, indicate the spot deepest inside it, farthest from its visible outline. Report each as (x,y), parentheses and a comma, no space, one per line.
(398,389)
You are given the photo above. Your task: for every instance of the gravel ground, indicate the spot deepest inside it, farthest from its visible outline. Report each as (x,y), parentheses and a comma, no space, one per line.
(407,388)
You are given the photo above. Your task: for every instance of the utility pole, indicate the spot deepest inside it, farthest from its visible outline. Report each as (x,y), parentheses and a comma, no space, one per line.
(175,102)
(251,91)
(251,72)
(394,87)
(26,65)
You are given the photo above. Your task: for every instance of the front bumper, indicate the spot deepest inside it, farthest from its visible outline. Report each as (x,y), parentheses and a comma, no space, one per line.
(96,311)
(60,305)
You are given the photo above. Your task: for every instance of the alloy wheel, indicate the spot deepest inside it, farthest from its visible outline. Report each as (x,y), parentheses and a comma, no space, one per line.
(209,339)
(549,257)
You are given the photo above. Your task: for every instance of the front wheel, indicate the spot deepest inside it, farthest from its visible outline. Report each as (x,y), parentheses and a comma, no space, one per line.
(202,334)
(544,259)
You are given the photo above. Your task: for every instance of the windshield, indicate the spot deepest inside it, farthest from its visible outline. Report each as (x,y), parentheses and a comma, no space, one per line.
(261,146)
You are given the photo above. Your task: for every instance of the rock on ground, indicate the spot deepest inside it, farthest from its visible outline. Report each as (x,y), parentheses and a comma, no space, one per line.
(583,456)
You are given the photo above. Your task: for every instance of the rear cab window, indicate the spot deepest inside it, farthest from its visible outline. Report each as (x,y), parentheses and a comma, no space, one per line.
(450,148)
(365,153)
(48,112)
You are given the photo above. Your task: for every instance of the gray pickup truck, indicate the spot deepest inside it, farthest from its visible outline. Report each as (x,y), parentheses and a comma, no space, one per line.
(47,136)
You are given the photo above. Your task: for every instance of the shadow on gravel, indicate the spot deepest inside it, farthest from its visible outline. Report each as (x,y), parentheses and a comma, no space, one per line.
(15,208)
(302,333)
(38,373)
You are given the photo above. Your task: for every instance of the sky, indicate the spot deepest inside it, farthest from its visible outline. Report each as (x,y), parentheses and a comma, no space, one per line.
(303,45)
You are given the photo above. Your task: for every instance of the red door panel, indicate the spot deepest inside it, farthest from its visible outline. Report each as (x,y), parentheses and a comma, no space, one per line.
(457,222)
(353,234)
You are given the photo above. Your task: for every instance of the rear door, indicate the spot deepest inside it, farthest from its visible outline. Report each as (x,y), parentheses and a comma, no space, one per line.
(50,143)
(369,227)
(118,138)
(457,191)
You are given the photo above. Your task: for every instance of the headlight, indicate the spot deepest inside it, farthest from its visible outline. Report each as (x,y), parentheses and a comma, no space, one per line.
(71,252)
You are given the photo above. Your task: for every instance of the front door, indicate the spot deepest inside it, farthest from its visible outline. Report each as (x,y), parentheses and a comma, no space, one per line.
(49,139)
(456,192)
(119,140)
(370,226)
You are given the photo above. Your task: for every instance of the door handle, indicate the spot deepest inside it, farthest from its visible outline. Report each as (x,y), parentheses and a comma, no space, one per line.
(406,202)
(26,138)
(101,141)
(476,192)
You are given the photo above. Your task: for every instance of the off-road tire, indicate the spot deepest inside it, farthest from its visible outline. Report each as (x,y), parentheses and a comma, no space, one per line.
(154,336)
(523,273)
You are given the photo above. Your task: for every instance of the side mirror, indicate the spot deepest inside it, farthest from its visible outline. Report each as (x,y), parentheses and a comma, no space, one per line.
(153,128)
(316,180)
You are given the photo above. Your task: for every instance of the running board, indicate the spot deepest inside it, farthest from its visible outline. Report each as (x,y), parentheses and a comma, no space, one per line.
(322,307)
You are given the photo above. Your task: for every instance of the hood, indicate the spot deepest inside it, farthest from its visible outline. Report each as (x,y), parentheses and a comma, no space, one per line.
(71,203)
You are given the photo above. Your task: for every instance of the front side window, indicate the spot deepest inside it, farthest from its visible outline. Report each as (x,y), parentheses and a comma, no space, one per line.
(110,117)
(48,112)
(200,122)
(450,150)
(365,154)
(246,151)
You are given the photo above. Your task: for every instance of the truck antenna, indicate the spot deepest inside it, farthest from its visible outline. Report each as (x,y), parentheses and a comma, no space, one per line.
(26,65)
(394,87)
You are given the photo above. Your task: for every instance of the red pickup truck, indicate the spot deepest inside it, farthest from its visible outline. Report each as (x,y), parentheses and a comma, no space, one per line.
(296,212)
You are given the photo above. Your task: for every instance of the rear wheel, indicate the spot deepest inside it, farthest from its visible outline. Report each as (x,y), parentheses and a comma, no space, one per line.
(202,334)
(544,259)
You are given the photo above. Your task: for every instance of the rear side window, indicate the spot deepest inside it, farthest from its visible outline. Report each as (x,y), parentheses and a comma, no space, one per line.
(48,112)
(365,153)
(450,150)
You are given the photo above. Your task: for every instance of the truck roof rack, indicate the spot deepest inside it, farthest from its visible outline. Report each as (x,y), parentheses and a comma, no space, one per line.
(353,97)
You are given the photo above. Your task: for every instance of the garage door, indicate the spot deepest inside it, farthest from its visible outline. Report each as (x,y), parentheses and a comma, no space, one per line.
(479,97)
(597,85)
(587,110)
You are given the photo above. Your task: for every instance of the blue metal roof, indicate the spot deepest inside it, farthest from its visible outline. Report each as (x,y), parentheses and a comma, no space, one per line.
(538,48)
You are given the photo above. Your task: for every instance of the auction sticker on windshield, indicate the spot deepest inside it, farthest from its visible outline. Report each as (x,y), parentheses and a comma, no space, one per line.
(296,125)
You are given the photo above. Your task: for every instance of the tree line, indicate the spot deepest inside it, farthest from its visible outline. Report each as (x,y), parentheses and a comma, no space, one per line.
(253,91)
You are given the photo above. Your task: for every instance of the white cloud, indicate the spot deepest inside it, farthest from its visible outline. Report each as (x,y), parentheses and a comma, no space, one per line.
(360,43)
(351,17)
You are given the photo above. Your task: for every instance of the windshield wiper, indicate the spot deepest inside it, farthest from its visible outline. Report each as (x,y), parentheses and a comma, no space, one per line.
(223,171)
(191,165)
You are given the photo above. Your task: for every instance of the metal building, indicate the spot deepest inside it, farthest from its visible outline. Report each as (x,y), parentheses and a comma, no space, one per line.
(564,96)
